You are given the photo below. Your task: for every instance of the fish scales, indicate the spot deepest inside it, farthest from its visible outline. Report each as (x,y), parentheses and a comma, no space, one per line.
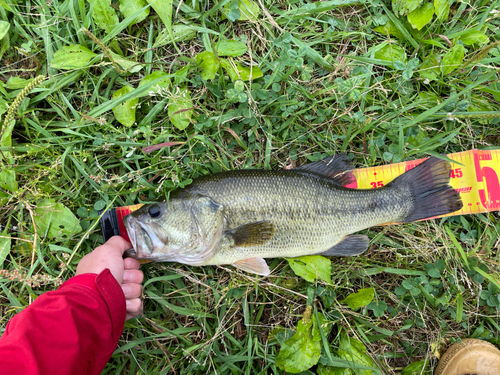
(242,217)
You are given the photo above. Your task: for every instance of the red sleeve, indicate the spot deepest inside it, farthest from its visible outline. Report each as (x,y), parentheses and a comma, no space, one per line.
(73,330)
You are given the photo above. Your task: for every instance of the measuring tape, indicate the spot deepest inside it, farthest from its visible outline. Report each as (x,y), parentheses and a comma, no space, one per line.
(476,180)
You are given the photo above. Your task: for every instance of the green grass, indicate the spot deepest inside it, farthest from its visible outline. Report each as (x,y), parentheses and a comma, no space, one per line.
(328,85)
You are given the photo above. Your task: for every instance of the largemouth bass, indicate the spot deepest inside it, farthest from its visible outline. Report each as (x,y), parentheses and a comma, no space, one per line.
(241,217)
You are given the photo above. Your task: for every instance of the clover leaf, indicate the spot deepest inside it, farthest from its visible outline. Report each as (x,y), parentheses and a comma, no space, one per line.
(378,308)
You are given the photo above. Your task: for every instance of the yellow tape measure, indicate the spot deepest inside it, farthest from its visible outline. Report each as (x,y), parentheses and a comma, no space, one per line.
(477,180)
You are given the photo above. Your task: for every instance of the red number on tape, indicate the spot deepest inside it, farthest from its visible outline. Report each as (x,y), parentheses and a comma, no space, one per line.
(492,184)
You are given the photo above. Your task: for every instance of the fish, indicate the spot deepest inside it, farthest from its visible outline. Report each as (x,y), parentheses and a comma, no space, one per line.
(242,217)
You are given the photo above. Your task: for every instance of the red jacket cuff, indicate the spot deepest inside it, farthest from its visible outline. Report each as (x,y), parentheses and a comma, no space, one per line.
(115,300)
(87,279)
(107,286)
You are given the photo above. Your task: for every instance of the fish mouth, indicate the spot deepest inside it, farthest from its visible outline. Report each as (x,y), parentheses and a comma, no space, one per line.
(139,237)
(147,240)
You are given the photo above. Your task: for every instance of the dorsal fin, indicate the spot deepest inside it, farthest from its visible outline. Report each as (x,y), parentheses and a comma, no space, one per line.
(336,167)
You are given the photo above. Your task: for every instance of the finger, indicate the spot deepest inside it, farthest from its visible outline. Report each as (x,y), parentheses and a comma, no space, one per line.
(132,276)
(131,264)
(132,316)
(118,243)
(132,290)
(134,307)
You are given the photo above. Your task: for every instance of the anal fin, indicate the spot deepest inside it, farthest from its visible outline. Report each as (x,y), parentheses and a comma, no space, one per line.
(253,265)
(349,246)
(252,234)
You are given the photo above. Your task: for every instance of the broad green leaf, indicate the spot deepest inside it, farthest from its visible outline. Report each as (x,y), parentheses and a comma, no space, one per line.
(164,10)
(391,52)
(4,44)
(453,59)
(181,33)
(4,28)
(160,88)
(416,368)
(403,7)
(208,64)
(430,68)
(231,48)
(330,370)
(104,15)
(16,83)
(421,16)
(4,106)
(474,37)
(8,180)
(389,28)
(5,242)
(125,64)
(312,267)
(237,71)
(180,108)
(125,112)
(362,298)
(72,57)
(6,140)
(353,350)
(249,10)
(129,7)
(54,220)
(8,184)
(303,350)
(442,9)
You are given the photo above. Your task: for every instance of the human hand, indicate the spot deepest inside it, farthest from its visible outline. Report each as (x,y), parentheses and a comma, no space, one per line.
(126,271)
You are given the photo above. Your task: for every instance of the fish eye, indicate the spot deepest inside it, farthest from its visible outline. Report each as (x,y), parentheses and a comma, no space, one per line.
(154,211)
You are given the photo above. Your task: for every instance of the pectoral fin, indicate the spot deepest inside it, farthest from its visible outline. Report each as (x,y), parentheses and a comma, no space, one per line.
(253,265)
(349,246)
(251,234)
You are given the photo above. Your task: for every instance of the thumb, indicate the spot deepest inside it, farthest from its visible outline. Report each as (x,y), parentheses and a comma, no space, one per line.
(118,244)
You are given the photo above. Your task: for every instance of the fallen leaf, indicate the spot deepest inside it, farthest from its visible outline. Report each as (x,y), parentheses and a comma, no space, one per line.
(149,149)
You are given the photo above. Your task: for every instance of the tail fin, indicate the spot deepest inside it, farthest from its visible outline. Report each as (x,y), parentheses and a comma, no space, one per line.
(432,195)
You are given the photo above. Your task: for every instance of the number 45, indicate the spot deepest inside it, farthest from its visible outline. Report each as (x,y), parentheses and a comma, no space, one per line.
(456,173)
